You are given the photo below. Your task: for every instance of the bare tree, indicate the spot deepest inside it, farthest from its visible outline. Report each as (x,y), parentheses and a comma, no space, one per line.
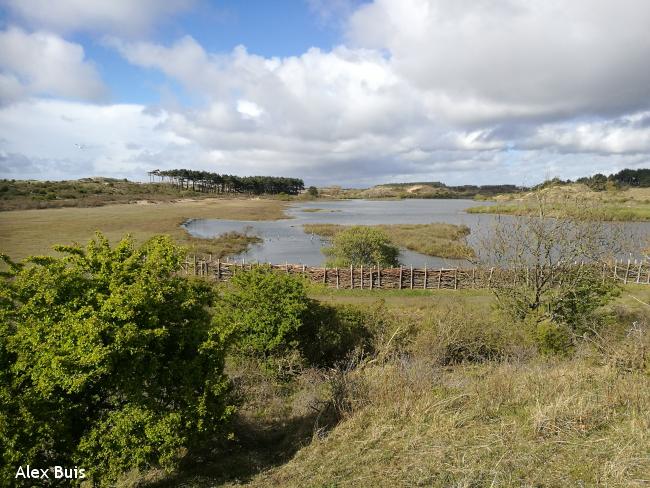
(554,268)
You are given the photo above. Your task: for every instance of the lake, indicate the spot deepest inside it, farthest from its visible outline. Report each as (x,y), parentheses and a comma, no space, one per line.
(285,240)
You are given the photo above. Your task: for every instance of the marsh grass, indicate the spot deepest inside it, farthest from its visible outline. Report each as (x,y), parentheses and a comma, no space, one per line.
(576,201)
(33,232)
(436,239)
(224,245)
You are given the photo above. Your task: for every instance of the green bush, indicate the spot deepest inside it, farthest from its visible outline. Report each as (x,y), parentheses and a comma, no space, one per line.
(362,246)
(553,338)
(108,360)
(269,316)
(262,312)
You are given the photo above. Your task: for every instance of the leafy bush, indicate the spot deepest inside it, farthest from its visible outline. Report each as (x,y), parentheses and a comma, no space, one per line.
(107,360)
(362,245)
(269,316)
(553,338)
(262,311)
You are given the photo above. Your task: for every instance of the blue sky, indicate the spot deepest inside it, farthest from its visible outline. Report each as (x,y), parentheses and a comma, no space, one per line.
(338,91)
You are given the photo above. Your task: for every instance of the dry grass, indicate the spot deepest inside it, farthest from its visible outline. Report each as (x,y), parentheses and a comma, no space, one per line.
(436,239)
(28,232)
(576,201)
(541,424)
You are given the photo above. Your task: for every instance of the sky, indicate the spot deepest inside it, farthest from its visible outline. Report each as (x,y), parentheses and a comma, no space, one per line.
(347,92)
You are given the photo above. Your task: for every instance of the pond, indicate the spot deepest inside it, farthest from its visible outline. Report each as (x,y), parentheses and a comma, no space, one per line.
(286,241)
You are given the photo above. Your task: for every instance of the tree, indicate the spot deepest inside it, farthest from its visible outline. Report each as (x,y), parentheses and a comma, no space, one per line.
(362,246)
(312,191)
(555,268)
(108,360)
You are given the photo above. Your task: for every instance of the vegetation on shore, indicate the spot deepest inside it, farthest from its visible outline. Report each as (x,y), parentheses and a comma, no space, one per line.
(435,239)
(33,232)
(542,382)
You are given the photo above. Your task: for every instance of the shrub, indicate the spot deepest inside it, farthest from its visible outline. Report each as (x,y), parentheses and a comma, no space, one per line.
(107,359)
(270,317)
(362,246)
(262,311)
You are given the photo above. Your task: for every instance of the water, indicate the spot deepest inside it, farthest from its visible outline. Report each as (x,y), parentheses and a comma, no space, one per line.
(285,240)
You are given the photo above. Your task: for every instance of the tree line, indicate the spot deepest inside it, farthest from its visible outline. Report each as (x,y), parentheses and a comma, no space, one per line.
(207,182)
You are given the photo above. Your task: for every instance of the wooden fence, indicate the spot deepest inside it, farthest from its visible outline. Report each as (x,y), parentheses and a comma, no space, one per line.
(409,278)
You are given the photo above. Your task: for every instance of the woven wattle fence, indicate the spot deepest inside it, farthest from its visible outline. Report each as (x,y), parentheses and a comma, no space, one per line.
(408,277)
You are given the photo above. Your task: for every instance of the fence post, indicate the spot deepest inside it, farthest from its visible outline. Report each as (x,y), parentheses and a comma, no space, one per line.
(195,273)
(379,277)
(411,277)
(627,272)
(456,279)
(218,269)
(362,276)
(371,280)
(638,274)
(400,276)
(325,275)
(425,276)
(490,277)
(439,278)
(351,277)
(337,278)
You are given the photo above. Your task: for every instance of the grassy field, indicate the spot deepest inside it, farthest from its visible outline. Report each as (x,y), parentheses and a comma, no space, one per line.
(442,240)
(456,397)
(28,232)
(576,201)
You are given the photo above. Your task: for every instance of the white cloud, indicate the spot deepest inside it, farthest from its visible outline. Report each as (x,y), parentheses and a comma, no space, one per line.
(462,91)
(126,17)
(515,59)
(44,64)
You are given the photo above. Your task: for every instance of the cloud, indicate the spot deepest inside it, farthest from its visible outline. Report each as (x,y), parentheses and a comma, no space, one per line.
(462,91)
(494,60)
(44,64)
(124,17)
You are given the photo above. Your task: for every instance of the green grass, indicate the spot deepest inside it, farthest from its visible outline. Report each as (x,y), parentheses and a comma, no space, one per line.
(455,397)
(436,239)
(575,201)
(600,212)
(224,245)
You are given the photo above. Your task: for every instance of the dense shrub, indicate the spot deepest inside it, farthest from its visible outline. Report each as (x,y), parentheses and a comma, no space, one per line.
(107,360)
(362,246)
(270,317)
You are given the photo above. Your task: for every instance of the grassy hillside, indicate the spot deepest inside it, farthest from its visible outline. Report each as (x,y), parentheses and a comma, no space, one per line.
(578,201)
(421,190)
(436,239)
(456,396)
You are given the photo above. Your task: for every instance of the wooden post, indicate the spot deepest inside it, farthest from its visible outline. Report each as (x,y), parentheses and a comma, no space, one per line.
(351,277)
(337,278)
(473,277)
(219,269)
(303,270)
(325,275)
(604,267)
(616,268)
(490,278)
(362,276)
(439,278)
(194,258)
(379,277)
(456,279)
(400,276)
(286,266)
(627,272)
(371,283)
(638,274)
(425,277)
(411,277)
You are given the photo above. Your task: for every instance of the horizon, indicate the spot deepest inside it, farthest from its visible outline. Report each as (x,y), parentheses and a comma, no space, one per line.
(348,92)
